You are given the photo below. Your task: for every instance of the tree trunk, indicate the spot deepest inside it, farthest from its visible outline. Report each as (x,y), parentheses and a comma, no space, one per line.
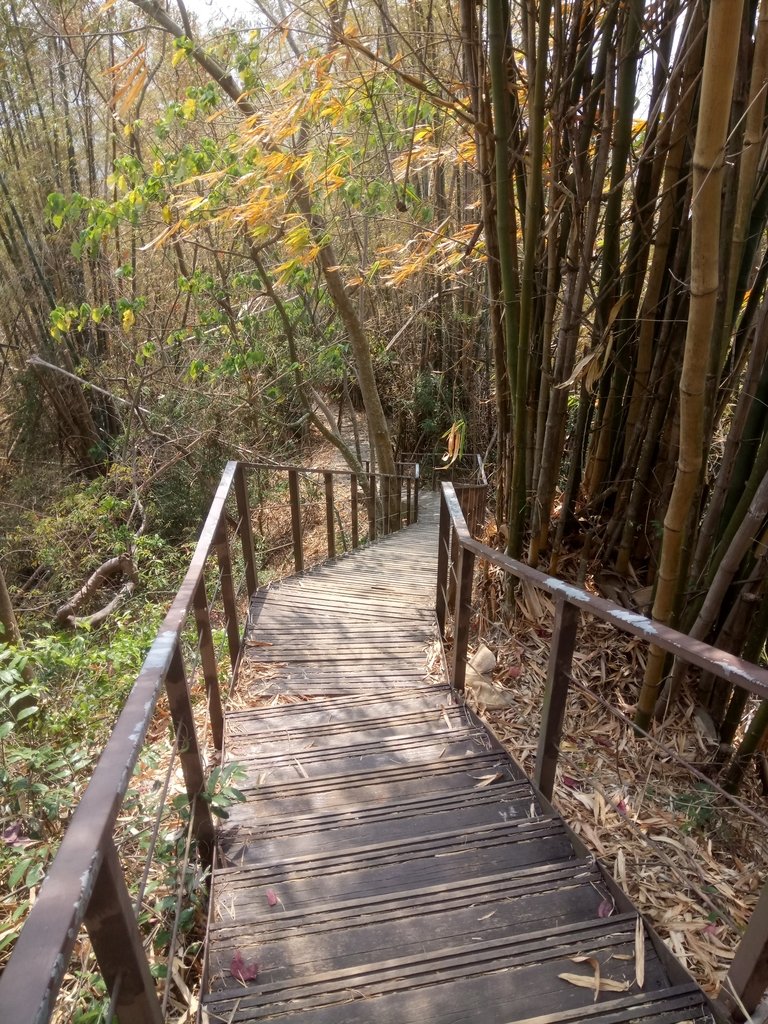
(8,622)
(708,165)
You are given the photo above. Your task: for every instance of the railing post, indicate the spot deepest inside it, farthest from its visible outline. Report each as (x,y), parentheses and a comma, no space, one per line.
(330,529)
(747,978)
(353,510)
(443,548)
(372,506)
(555,694)
(462,617)
(416,486)
(111,924)
(246,529)
(298,549)
(189,755)
(208,663)
(385,492)
(397,516)
(221,544)
(408,500)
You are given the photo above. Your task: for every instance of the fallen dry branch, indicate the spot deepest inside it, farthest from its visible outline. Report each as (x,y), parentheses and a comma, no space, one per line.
(120,565)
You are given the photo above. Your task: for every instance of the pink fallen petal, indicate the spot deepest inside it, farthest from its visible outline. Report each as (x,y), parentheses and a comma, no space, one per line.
(272,899)
(571,783)
(606,908)
(242,969)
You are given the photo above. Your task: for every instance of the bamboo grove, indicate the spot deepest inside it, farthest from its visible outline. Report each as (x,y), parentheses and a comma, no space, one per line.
(542,224)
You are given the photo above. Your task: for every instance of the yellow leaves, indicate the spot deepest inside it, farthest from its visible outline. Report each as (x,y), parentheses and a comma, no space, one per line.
(189,108)
(128,320)
(333,111)
(163,236)
(178,56)
(330,176)
(436,249)
(167,215)
(596,983)
(593,365)
(454,438)
(638,127)
(298,238)
(467,151)
(115,70)
(283,163)
(133,70)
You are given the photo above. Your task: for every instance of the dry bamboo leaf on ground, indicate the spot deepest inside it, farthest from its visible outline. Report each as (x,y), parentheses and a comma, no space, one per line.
(603,984)
(639,952)
(714,847)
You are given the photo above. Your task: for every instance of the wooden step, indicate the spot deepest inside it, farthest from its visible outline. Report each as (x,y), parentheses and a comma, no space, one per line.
(511,977)
(391,864)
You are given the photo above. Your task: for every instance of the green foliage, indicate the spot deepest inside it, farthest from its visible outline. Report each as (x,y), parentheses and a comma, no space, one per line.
(432,406)
(83,526)
(699,805)
(220,792)
(18,695)
(178,500)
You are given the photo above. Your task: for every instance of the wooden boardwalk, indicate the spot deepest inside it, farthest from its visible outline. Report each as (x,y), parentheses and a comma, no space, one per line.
(391,863)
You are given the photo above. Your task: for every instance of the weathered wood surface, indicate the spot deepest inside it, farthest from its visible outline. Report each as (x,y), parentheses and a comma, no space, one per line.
(391,863)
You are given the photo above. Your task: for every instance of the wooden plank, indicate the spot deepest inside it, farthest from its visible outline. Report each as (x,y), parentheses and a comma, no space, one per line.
(476,890)
(333,655)
(385,867)
(359,756)
(317,730)
(457,1004)
(495,975)
(390,861)
(397,701)
(282,747)
(355,937)
(307,796)
(330,833)
(305,690)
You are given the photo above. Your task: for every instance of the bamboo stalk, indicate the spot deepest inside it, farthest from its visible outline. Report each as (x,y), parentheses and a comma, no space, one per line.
(708,166)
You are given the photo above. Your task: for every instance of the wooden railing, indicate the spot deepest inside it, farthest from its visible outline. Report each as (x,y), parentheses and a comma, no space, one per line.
(85,885)
(381,503)
(458,550)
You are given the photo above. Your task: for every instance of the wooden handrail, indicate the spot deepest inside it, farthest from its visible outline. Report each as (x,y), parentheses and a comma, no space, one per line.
(31,980)
(84,885)
(303,470)
(747,978)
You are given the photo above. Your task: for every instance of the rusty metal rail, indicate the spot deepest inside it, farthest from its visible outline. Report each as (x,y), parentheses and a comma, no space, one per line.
(386,502)
(85,885)
(747,978)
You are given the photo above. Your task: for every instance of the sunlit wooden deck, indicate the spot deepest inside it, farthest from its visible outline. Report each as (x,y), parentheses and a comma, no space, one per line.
(391,862)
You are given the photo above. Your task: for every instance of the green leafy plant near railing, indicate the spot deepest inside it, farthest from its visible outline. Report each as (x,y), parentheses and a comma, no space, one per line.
(221,793)
(58,700)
